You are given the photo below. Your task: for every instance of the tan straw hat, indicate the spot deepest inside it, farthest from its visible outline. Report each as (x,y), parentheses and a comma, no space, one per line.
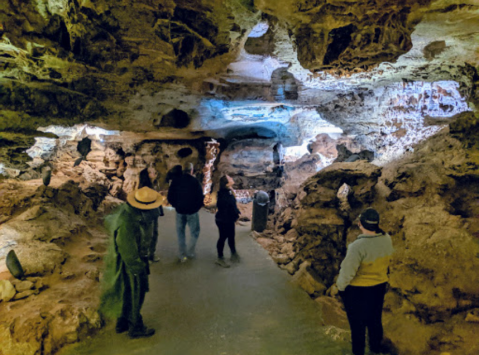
(145,199)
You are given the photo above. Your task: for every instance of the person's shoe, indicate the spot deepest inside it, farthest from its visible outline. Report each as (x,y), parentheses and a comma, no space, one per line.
(183,259)
(235,258)
(154,258)
(191,256)
(221,262)
(121,325)
(140,332)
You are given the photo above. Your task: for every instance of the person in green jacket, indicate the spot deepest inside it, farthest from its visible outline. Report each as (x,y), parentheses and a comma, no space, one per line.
(125,280)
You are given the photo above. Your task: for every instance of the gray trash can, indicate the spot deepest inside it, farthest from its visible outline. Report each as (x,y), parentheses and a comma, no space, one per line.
(260,211)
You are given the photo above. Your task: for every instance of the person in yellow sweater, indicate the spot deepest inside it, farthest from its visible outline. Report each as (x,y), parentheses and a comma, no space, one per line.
(362,282)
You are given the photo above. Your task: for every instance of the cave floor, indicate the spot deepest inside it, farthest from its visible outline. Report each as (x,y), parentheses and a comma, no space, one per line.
(198,308)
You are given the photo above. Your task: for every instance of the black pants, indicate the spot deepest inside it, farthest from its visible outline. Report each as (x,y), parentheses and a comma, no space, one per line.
(227,231)
(364,306)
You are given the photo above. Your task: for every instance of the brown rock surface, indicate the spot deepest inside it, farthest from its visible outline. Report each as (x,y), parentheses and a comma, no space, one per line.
(308,280)
(333,312)
(48,233)
(428,202)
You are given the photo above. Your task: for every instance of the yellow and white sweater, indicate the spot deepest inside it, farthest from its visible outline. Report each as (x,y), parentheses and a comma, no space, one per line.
(366,262)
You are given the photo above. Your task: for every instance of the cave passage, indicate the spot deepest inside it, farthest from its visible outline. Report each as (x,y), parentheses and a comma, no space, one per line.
(198,308)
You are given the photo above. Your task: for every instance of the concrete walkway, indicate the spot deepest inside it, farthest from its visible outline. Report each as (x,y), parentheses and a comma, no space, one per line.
(198,308)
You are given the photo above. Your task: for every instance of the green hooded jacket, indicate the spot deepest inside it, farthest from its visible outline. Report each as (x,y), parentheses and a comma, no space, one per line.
(125,279)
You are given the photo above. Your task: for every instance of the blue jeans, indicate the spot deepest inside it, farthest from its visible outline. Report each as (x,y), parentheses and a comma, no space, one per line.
(193,222)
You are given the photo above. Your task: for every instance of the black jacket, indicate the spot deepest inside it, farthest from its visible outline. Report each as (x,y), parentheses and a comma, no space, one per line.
(185,194)
(227,208)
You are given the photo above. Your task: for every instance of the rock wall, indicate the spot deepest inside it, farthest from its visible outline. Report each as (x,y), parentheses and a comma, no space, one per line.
(428,202)
(61,254)
(115,159)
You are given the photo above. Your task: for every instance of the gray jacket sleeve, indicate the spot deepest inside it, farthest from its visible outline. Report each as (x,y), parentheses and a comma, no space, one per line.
(349,267)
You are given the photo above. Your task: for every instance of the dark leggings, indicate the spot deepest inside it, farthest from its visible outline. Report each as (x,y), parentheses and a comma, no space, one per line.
(364,306)
(227,231)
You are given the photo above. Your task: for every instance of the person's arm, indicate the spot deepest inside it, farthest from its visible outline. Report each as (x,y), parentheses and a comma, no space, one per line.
(238,212)
(172,192)
(234,206)
(128,249)
(227,203)
(349,267)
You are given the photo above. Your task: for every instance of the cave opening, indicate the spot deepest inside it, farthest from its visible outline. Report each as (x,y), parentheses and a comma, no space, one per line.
(184,152)
(175,119)
(340,39)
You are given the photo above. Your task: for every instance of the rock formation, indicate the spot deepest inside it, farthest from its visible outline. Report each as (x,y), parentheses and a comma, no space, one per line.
(428,202)
(186,70)
(61,255)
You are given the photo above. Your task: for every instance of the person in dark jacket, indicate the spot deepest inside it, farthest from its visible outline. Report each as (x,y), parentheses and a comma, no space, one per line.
(226,218)
(125,279)
(186,196)
(146,180)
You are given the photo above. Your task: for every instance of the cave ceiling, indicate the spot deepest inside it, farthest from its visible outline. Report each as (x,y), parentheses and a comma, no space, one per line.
(282,69)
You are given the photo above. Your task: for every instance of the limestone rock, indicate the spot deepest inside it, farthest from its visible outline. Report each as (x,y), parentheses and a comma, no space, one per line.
(67,275)
(308,280)
(24,286)
(287,248)
(268,244)
(291,235)
(333,312)
(39,258)
(335,175)
(473,316)
(24,294)
(109,204)
(281,258)
(290,267)
(279,238)
(7,291)
(31,226)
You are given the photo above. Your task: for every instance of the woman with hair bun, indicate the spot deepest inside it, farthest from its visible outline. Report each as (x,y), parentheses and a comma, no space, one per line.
(362,282)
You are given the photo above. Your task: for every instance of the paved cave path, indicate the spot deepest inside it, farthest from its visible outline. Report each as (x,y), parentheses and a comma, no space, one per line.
(198,308)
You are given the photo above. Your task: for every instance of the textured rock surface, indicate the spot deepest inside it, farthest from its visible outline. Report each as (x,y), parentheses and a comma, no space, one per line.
(7,291)
(428,202)
(282,69)
(56,304)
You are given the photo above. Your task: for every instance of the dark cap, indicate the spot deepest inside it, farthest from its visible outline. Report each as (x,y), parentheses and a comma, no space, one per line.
(370,219)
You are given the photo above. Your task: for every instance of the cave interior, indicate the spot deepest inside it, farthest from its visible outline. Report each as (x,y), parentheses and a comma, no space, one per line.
(328,106)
